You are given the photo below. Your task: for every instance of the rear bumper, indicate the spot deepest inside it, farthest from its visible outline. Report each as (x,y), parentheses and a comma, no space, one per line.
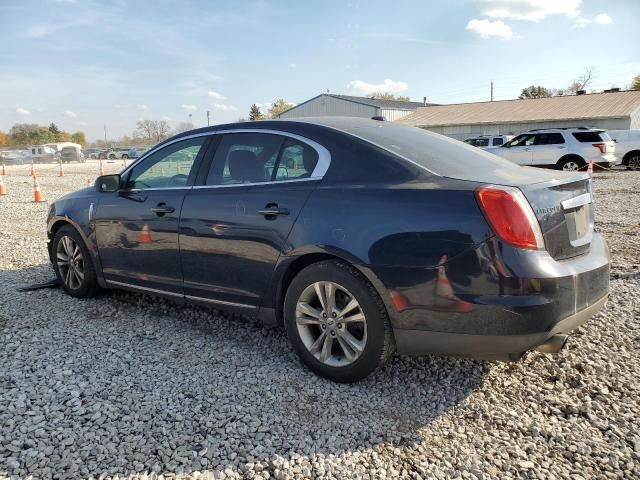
(495,301)
(491,347)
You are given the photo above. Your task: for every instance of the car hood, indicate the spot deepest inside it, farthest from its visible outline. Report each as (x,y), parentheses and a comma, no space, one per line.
(87,192)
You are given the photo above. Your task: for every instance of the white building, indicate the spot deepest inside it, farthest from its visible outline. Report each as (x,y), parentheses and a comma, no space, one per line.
(348,106)
(610,110)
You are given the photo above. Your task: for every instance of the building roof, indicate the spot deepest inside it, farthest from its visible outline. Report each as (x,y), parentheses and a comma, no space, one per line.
(373,102)
(571,107)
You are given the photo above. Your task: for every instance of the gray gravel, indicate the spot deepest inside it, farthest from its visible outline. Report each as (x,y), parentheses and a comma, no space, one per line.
(129,386)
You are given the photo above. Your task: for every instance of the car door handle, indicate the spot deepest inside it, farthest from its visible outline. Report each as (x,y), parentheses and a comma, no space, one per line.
(273,210)
(527,149)
(163,208)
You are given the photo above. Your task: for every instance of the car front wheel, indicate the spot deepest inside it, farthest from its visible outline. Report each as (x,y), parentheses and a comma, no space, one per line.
(73,265)
(337,323)
(570,164)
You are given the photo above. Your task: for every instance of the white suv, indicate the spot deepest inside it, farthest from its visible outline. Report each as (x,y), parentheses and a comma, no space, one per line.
(561,148)
(627,147)
(488,141)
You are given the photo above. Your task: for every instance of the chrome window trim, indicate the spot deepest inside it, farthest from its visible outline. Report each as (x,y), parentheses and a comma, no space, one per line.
(159,188)
(279,182)
(324,157)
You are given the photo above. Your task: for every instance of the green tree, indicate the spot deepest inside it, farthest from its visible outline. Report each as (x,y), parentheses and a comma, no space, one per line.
(79,137)
(279,106)
(255,113)
(535,91)
(388,96)
(635,83)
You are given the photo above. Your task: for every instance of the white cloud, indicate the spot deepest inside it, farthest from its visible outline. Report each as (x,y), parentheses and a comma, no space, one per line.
(225,107)
(215,95)
(603,19)
(486,28)
(70,114)
(142,106)
(388,86)
(530,10)
(189,107)
(22,111)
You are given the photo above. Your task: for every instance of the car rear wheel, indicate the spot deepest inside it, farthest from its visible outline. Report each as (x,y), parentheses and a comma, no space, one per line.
(570,164)
(72,264)
(337,322)
(125,156)
(112,156)
(634,162)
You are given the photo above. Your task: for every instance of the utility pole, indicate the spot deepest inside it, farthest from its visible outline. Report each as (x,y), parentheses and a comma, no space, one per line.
(492,90)
(105,134)
(208,118)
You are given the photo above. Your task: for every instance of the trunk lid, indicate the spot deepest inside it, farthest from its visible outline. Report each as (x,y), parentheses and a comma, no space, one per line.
(564,209)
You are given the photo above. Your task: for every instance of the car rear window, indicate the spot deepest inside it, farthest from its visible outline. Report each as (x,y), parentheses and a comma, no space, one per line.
(438,154)
(589,137)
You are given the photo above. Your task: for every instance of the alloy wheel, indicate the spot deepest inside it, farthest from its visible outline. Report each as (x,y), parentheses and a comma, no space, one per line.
(570,166)
(634,163)
(70,262)
(331,324)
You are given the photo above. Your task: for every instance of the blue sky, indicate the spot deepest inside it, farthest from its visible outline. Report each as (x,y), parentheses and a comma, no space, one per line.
(87,63)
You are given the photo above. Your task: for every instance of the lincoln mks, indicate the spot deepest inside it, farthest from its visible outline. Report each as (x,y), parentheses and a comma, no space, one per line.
(360,238)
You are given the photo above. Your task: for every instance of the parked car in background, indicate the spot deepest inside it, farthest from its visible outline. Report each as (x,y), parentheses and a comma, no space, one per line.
(561,148)
(135,152)
(15,157)
(627,147)
(488,141)
(92,153)
(118,153)
(71,154)
(359,237)
(43,154)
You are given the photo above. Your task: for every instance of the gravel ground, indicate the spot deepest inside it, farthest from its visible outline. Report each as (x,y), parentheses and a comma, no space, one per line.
(126,386)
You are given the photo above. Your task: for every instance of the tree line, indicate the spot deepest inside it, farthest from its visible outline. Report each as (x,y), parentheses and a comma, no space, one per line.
(25,134)
(580,83)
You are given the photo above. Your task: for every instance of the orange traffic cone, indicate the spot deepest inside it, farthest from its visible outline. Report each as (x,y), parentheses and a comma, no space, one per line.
(3,191)
(88,182)
(4,170)
(61,172)
(445,298)
(590,168)
(101,172)
(124,163)
(162,171)
(177,168)
(33,169)
(145,234)
(37,194)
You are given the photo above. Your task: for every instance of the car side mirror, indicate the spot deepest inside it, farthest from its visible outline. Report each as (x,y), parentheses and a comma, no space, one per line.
(108,183)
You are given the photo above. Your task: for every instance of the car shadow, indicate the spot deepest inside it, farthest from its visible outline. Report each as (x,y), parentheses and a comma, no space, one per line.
(142,382)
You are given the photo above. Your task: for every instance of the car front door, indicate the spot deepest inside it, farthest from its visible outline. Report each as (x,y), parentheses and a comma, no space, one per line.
(549,147)
(519,150)
(137,227)
(235,223)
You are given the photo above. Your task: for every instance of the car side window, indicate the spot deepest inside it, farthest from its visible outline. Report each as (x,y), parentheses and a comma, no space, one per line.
(243,158)
(297,160)
(523,140)
(497,141)
(169,167)
(549,139)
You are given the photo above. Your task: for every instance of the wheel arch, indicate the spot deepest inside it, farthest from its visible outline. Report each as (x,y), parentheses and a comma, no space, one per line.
(570,156)
(628,155)
(289,269)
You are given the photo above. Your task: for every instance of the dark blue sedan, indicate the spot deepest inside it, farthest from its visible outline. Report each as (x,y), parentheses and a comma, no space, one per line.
(360,237)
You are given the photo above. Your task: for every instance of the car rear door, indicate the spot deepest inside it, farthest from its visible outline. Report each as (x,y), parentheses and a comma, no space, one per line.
(236,220)
(137,227)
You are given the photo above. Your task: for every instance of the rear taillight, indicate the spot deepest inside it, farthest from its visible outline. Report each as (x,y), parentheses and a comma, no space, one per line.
(510,216)
(601,146)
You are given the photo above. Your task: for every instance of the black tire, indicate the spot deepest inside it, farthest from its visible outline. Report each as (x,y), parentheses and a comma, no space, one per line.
(633,161)
(88,287)
(564,162)
(112,156)
(125,156)
(379,345)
